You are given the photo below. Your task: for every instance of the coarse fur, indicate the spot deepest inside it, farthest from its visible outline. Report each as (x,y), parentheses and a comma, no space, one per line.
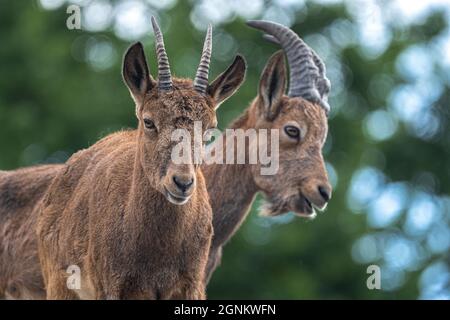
(118,210)
(104,216)
(20,191)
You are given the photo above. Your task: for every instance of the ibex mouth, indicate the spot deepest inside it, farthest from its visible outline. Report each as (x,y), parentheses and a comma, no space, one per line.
(178,200)
(305,208)
(309,205)
(313,205)
(300,205)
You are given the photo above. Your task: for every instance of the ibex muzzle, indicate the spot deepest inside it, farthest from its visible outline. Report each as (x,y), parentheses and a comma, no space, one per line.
(179,183)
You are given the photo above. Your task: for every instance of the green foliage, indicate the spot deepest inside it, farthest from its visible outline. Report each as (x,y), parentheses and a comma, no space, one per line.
(54,101)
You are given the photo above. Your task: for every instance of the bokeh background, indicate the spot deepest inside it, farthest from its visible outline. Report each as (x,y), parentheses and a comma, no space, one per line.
(388,149)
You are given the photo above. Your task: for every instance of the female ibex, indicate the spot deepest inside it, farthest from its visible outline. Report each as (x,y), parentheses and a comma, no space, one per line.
(136,224)
(300,182)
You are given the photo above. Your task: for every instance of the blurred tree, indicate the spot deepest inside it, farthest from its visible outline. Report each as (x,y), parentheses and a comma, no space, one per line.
(388,148)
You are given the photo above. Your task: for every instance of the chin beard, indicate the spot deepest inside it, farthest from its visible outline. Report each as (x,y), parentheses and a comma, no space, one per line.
(274,206)
(270,208)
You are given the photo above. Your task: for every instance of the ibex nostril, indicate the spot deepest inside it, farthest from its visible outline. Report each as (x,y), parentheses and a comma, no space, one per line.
(183,183)
(324,192)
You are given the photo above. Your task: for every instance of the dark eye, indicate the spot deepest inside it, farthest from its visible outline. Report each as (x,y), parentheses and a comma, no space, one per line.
(292,132)
(149,124)
(208,135)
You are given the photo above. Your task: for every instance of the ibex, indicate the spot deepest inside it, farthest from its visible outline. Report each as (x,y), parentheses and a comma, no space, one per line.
(300,183)
(136,224)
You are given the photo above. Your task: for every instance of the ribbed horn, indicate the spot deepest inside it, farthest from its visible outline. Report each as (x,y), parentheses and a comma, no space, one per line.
(307,72)
(323,83)
(164,76)
(201,77)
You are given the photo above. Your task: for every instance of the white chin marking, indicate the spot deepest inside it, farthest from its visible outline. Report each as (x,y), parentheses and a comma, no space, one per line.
(321,209)
(310,216)
(177,201)
(267,209)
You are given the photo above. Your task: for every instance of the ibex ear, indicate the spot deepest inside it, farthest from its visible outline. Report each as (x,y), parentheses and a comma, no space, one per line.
(229,81)
(272,85)
(135,72)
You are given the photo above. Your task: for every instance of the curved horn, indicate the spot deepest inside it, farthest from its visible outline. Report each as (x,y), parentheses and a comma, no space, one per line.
(164,76)
(323,83)
(307,71)
(201,77)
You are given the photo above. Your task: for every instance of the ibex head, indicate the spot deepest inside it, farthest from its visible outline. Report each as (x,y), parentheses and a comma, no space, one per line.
(167,104)
(301,182)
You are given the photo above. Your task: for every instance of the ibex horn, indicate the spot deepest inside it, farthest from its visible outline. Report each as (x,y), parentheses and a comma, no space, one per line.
(164,76)
(201,77)
(307,71)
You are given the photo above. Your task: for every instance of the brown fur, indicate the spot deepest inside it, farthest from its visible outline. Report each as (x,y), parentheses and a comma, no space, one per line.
(104,216)
(20,190)
(233,187)
(301,165)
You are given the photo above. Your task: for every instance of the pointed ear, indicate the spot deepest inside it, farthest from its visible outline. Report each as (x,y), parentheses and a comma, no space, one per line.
(272,85)
(229,81)
(135,72)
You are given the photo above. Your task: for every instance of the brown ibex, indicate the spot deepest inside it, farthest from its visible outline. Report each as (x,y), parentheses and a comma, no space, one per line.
(301,116)
(136,224)
(301,182)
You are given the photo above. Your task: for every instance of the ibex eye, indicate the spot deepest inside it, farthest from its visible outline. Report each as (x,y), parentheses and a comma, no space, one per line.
(292,132)
(208,135)
(149,124)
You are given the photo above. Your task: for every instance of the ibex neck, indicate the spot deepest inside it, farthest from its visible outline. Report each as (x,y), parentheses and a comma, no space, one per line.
(147,205)
(232,189)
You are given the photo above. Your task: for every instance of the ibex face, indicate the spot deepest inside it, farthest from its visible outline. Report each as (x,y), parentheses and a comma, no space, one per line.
(301,182)
(159,116)
(168,104)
